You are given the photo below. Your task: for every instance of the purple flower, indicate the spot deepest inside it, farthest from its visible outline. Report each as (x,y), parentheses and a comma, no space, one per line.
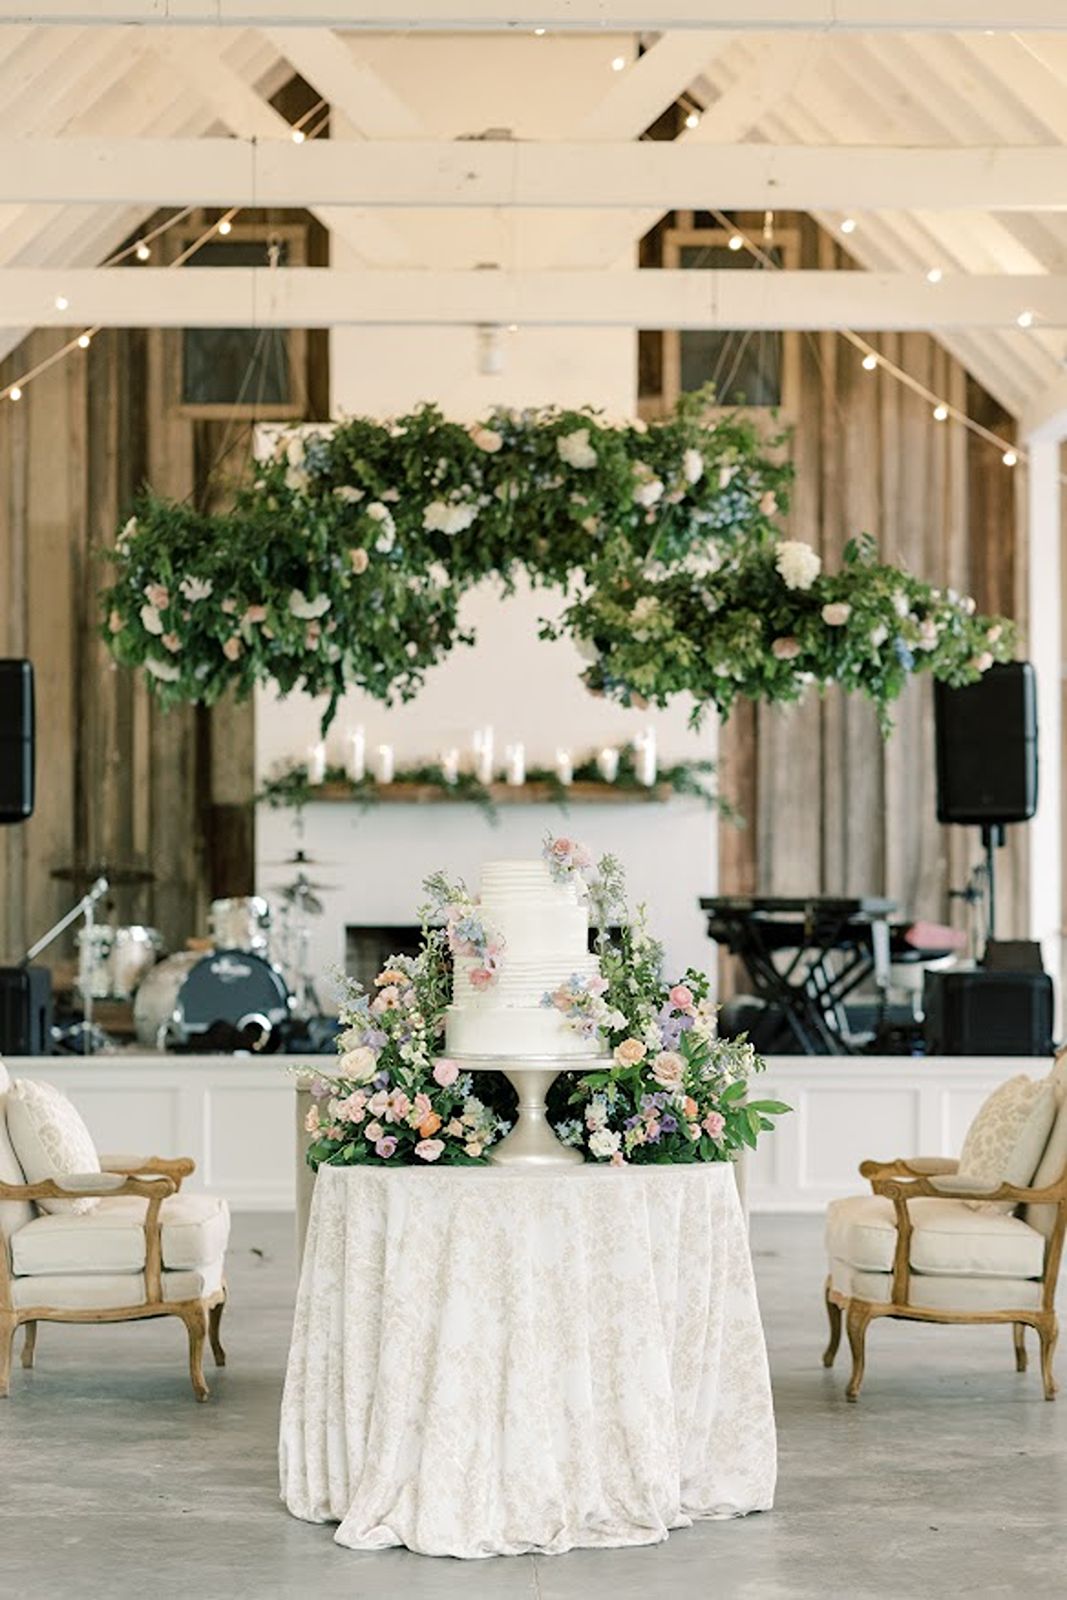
(668,1124)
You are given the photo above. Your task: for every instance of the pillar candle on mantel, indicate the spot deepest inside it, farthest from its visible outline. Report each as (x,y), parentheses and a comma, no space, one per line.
(607,764)
(483,754)
(357,755)
(515,764)
(645,752)
(450,765)
(565,767)
(386,766)
(317,763)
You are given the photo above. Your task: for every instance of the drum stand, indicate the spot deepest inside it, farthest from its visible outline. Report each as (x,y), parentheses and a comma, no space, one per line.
(86,909)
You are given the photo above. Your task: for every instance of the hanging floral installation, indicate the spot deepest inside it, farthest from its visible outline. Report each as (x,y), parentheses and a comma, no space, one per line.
(344,563)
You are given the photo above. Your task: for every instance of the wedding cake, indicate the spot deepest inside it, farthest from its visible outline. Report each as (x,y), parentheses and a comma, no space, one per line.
(542,925)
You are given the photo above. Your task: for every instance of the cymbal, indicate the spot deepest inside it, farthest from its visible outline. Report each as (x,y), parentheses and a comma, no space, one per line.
(119,876)
(300,859)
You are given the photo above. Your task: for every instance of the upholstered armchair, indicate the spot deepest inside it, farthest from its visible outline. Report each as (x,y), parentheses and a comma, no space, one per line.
(915,1249)
(137,1249)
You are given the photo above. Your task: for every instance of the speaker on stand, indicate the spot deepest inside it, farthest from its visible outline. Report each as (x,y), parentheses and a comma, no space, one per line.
(16,741)
(986,739)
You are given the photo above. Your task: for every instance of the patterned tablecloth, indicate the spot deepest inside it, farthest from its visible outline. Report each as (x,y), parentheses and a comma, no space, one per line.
(491,1361)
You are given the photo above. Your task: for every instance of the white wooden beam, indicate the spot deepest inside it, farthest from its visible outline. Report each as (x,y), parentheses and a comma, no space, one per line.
(326,62)
(582,15)
(472,173)
(320,297)
(648,86)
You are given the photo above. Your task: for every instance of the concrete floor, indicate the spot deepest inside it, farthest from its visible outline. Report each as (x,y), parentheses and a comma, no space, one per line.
(949,1477)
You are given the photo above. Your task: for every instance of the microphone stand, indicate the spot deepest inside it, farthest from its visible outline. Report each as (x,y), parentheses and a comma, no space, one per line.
(85,908)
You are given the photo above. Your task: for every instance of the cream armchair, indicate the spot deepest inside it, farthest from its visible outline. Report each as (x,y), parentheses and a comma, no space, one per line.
(145,1250)
(913,1249)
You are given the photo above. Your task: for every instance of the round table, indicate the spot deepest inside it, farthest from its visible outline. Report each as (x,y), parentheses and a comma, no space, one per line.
(496,1361)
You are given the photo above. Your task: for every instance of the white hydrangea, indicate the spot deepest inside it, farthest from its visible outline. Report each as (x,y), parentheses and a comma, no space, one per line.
(836,613)
(348,494)
(575,449)
(308,610)
(797,563)
(440,517)
(195,589)
(692,466)
(649,492)
(165,671)
(604,1143)
(151,621)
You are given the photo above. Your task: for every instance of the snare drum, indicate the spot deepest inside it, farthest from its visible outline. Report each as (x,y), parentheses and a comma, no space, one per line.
(112,961)
(242,923)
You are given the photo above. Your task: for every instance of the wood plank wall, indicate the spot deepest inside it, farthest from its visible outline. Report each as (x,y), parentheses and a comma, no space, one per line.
(118,779)
(830,806)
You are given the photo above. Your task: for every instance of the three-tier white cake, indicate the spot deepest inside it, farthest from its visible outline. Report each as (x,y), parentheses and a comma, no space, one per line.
(544,926)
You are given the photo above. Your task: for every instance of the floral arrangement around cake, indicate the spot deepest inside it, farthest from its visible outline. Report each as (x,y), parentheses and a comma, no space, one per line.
(673,1091)
(343,564)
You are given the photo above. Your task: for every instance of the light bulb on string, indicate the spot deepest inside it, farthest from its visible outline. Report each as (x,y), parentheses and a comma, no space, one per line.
(870,361)
(735,242)
(62,302)
(849,225)
(692,119)
(539,33)
(934,275)
(143,251)
(84,341)
(618,64)
(298,136)
(225,226)
(1009,458)
(941,412)
(1025,319)
(14,393)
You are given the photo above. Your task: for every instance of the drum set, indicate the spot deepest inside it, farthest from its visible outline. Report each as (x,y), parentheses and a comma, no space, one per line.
(246,987)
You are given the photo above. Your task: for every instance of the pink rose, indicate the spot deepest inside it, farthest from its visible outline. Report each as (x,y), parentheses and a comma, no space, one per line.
(377,1103)
(157,595)
(421,1107)
(255,614)
(785,649)
(598,985)
(385,1147)
(115,623)
(374,1131)
(398,1107)
(229,606)
(445,1073)
(172,642)
(768,503)
(480,977)
(232,648)
(681,997)
(359,561)
(561,848)
(713,1124)
(429,1149)
(618,1159)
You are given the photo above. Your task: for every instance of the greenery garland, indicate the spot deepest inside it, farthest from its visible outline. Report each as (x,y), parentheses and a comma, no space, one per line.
(343,564)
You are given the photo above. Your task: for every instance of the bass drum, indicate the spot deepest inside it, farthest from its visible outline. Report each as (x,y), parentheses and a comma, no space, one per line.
(227,1000)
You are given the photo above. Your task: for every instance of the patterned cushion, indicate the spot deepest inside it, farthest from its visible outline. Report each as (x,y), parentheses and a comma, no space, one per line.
(13,1213)
(1005,1141)
(50,1139)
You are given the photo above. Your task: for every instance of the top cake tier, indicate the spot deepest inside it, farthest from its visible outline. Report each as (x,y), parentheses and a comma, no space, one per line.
(526,883)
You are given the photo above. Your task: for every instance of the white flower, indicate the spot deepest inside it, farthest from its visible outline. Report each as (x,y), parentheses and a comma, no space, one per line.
(360,1064)
(969,604)
(692,466)
(129,531)
(703,563)
(295,452)
(927,639)
(785,649)
(296,479)
(575,449)
(151,621)
(166,671)
(836,613)
(605,1142)
(307,610)
(348,493)
(587,650)
(647,493)
(726,476)
(994,633)
(645,608)
(797,563)
(438,574)
(487,439)
(901,604)
(879,635)
(195,589)
(440,517)
(768,503)
(983,662)
(384,518)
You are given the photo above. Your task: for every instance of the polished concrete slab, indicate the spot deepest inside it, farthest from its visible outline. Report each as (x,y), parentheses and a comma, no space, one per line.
(949,1477)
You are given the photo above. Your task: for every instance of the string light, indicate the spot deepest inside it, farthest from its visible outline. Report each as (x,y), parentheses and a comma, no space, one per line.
(1009,458)
(298,135)
(143,251)
(870,361)
(941,412)
(14,393)
(735,242)
(934,275)
(62,302)
(849,225)
(1025,319)
(693,119)
(539,33)
(84,341)
(618,63)
(225,226)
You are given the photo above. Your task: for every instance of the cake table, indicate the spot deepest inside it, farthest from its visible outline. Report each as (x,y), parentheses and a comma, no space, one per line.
(492,1361)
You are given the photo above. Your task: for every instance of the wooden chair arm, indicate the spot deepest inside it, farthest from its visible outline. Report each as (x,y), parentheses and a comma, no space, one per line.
(950,1186)
(910,1167)
(91,1185)
(175,1167)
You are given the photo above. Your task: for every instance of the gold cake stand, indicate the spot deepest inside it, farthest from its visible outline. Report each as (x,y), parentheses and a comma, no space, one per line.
(532,1142)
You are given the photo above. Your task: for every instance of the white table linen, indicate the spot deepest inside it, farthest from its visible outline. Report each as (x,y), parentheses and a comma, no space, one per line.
(493,1361)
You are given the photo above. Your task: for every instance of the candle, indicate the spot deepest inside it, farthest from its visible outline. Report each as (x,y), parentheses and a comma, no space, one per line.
(317,762)
(645,750)
(515,764)
(607,763)
(483,750)
(564,767)
(450,765)
(386,764)
(357,755)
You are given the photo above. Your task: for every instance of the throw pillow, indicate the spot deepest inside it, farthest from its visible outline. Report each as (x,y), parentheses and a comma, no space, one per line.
(50,1139)
(1006,1140)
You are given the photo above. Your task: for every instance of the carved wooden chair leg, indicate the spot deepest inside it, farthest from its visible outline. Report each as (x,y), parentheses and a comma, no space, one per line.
(29,1344)
(833,1311)
(8,1324)
(214,1319)
(1048,1333)
(856,1326)
(1019,1329)
(195,1319)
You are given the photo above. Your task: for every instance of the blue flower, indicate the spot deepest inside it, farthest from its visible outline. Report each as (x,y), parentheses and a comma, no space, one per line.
(904,655)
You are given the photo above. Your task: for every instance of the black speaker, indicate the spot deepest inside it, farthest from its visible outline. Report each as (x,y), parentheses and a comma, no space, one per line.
(987,747)
(16,741)
(985,1013)
(25,1011)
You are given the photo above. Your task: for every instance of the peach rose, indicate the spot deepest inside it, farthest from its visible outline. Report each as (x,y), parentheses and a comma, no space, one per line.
(445,1073)
(255,614)
(232,648)
(374,1131)
(668,1069)
(115,623)
(429,1125)
(359,561)
(785,649)
(630,1052)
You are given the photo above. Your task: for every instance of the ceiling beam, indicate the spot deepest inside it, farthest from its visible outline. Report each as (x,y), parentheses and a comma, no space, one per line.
(436,173)
(316,297)
(582,15)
